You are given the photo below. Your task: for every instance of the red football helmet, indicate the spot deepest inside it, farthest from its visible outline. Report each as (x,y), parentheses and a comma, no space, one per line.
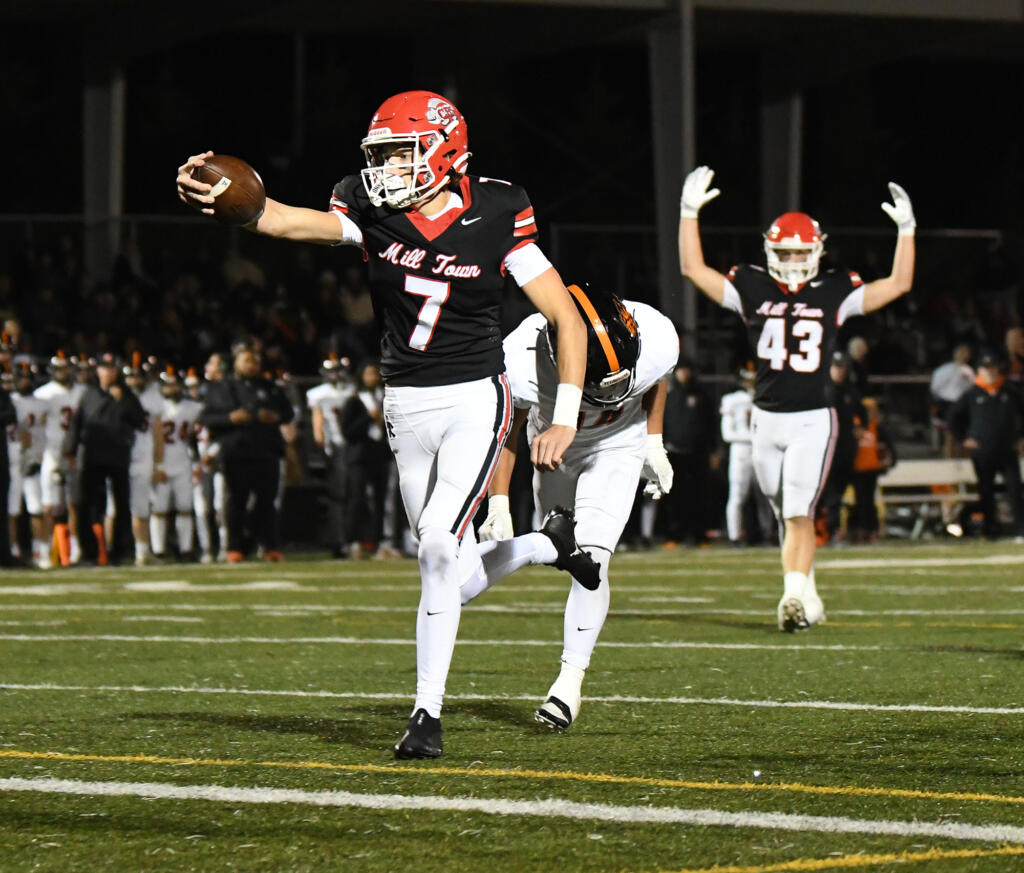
(434,133)
(790,234)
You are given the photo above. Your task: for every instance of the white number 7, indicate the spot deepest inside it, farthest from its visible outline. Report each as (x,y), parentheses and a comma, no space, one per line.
(437,295)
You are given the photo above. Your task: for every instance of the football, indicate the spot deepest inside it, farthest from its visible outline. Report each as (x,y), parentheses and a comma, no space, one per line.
(237,187)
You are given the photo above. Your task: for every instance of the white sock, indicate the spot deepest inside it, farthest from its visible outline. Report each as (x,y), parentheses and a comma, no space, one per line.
(203,533)
(437,622)
(794,583)
(585,612)
(569,684)
(158,533)
(74,550)
(734,517)
(183,528)
(141,549)
(500,558)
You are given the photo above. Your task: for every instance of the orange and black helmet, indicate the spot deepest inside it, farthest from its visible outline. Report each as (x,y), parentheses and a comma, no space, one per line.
(613,346)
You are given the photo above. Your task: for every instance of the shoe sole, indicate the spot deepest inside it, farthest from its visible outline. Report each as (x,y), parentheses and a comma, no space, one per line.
(792,616)
(405,753)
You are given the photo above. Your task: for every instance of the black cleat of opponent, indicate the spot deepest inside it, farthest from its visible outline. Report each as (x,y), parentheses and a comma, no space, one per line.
(560,527)
(422,737)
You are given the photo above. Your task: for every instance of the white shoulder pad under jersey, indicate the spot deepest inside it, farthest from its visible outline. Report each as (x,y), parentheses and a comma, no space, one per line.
(659,345)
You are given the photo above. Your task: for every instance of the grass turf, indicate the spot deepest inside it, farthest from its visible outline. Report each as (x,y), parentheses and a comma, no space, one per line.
(895,712)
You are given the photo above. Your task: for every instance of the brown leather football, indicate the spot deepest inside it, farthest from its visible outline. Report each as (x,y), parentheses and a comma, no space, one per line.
(237,187)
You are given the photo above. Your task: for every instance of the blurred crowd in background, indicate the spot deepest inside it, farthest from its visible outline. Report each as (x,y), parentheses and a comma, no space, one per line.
(309,321)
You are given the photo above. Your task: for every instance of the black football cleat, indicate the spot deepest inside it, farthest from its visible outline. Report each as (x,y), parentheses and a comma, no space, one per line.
(556,713)
(560,527)
(422,737)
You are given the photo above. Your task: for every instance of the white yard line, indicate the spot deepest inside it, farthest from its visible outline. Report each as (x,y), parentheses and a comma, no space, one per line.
(609,699)
(404,641)
(557,607)
(551,808)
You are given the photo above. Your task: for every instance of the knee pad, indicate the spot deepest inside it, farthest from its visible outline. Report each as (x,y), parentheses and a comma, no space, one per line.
(438,554)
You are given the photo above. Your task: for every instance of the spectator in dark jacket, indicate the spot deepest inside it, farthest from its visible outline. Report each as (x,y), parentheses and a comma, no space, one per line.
(104,426)
(244,413)
(368,459)
(850,415)
(987,419)
(690,435)
(876,453)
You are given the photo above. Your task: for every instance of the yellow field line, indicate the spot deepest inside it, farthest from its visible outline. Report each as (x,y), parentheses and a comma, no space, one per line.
(560,775)
(803,865)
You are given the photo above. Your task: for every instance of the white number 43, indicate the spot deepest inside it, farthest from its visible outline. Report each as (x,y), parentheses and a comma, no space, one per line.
(771,346)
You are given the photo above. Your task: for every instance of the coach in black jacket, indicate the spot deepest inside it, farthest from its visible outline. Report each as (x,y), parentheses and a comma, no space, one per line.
(987,419)
(244,413)
(105,425)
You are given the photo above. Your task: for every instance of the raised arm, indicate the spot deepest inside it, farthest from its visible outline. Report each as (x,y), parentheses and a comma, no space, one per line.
(691,252)
(278,219)
(883,291)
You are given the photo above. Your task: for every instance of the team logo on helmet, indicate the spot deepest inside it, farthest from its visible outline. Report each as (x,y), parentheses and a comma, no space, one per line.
(440,112)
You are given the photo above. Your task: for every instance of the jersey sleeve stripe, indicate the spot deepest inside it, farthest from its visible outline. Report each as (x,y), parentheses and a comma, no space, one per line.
(525,223)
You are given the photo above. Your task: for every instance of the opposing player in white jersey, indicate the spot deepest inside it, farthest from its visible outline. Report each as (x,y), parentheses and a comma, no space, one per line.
(793,315)
(631,348)
(735,410)
(62,394)
(147,453)
(179,417)
(25,447)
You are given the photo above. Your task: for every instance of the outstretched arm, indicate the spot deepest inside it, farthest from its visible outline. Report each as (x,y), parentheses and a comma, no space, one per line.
(278,219)
(883,291)
(691,253)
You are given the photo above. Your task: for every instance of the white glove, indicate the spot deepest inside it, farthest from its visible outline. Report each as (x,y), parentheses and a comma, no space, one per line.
(900,210)
(657,468)
(498,524)
(695,192)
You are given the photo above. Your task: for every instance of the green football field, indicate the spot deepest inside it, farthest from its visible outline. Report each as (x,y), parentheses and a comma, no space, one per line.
(184,718)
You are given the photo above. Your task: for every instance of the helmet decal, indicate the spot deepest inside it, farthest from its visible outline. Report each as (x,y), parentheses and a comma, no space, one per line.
(441,112)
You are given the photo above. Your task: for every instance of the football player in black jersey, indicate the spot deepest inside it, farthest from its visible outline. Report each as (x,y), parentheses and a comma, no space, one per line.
(438,245)
(792,316)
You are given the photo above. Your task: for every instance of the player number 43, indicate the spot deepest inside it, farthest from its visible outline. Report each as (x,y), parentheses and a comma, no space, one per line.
(436,294)
(771,346)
